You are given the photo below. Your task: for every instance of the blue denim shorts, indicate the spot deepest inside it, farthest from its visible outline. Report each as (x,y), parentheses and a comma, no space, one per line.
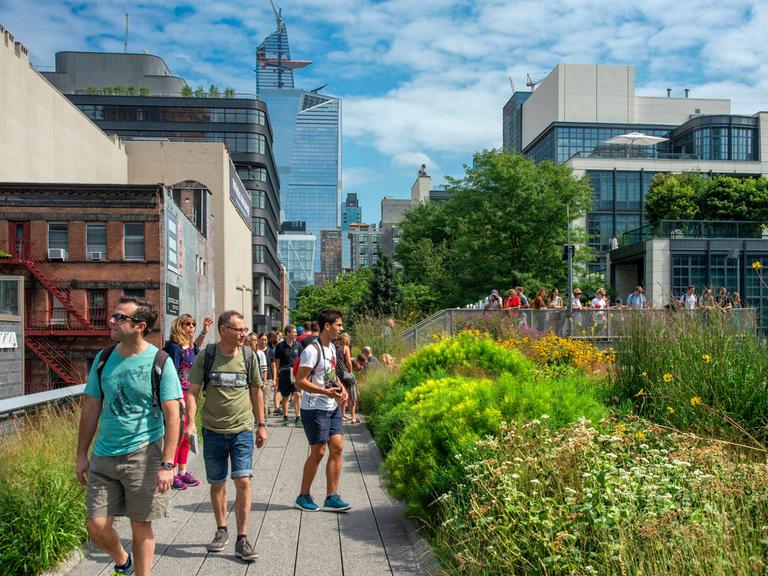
(221,449)
(320,425)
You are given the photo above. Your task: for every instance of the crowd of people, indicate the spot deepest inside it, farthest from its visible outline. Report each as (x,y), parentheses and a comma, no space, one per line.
(516,299)
(140,405)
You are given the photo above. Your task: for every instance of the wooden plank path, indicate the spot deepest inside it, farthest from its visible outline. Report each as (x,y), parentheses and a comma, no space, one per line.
(373,539)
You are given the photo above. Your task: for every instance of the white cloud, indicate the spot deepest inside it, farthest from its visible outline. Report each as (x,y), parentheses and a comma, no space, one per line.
(414,160)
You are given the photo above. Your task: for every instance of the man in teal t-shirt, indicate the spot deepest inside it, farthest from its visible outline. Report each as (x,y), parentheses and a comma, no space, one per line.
(131,467)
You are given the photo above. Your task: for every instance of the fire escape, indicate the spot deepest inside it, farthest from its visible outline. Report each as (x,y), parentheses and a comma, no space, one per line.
(45,341)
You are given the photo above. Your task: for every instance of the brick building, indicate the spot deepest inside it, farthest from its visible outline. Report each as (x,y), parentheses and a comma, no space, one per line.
(80,247)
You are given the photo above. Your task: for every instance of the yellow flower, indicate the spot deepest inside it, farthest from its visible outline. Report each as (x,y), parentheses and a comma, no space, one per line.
(756,265)
(670,410)
(667,377)
(696,401)
(641,436)
(644,374)
(707,358)
(640,393)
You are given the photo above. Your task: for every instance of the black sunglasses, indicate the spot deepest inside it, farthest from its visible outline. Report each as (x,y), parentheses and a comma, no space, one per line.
(118,317)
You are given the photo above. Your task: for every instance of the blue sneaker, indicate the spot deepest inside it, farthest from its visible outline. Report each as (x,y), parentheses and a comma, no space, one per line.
(305,502)
(127,568)
(334,503)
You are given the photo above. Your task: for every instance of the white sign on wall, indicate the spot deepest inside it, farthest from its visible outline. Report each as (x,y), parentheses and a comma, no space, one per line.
(8,341)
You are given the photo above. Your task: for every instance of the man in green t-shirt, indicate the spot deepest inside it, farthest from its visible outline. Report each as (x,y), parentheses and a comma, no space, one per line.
(231,405)
(131,467)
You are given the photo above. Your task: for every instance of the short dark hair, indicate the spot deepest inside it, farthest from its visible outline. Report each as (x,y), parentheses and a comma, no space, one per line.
(327,317)
(225,317)
(145,311)
(361,359)
(308,325)
(315,327)
(288,329)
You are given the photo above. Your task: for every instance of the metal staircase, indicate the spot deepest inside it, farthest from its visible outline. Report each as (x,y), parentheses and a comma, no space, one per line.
(54,359)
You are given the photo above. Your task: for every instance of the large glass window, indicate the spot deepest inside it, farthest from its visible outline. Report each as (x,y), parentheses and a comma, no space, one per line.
(9,297)
(259,226)
(602,189)
(96,241)
(259,199)
(115,113)
(258,255)
(600,230)
(688,269)
(134,241)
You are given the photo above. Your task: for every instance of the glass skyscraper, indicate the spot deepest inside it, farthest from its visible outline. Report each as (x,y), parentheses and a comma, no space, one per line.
(307,138)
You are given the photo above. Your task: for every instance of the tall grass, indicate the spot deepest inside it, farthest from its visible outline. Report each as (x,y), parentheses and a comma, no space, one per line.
(42,507)
(695,373)
(371,331)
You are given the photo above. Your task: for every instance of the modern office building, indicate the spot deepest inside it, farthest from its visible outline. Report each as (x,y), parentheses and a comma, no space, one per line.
(364,242)
(307,138)
(330,256)
(576,108)
(136,96)
(297,254)
(351,213)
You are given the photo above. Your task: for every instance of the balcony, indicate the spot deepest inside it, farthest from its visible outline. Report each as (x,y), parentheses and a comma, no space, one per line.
(696,229)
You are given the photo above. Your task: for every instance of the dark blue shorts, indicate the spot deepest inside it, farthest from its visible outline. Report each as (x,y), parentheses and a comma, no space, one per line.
(320,425)
(221,449)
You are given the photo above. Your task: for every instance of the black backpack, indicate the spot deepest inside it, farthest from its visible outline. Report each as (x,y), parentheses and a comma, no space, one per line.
(157,374)
(210,354)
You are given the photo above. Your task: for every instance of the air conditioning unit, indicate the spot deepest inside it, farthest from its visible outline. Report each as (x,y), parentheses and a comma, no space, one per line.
(58,254)
(96,256)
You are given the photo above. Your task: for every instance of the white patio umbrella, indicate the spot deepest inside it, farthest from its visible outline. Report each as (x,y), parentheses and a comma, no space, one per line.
(638,138)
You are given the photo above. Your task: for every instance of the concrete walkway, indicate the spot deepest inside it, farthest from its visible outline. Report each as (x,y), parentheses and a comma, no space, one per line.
(370,540)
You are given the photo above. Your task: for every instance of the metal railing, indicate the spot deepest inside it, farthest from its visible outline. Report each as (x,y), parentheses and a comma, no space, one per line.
(699,229)
(594,325)
(635,152)
(18,405)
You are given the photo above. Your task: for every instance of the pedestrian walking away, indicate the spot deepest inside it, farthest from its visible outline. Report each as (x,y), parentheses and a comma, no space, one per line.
(133,396)
(229,376)
(183,347)
(286,354)
(321,414)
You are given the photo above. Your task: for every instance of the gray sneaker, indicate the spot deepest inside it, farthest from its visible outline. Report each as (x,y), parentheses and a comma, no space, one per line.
(219,541)
(244,550)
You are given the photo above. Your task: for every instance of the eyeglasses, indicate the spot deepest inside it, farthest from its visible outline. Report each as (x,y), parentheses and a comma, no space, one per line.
(118,317)
(242,331)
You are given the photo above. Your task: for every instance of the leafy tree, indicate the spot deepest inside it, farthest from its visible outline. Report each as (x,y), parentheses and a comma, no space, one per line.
(229,92)
(108,90)
(144,91)
(344,294)
(674,196)
(118,90)
(726,198)
(92,90)
(384,292)
(130,90)
(419,301)
(186,91)
(213,91)
(200,92)
(505,222)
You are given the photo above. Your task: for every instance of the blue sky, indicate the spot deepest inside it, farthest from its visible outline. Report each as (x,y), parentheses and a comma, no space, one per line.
(422,82)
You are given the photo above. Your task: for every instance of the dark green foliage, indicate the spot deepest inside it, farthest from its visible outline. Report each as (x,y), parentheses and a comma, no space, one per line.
(186,91)
(346,294)
(505,223)
(692,196)
(384,292)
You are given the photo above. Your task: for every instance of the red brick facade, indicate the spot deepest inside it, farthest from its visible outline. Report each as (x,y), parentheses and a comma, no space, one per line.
(60,332)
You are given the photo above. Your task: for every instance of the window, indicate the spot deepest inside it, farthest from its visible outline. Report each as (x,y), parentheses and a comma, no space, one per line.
(688,269)
(9,297)
(134,241)
(59,316)
(97,308)
(258,255)
(259,226)
(58,240)
(96,241)
(259,199)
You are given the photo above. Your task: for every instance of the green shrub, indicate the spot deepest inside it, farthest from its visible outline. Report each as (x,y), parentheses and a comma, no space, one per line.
(369,331)
(42,507)
(467,354)
(632,499)
(697,373)
(448,416)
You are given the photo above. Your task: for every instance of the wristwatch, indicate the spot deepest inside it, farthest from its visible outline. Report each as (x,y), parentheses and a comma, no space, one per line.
(166,465)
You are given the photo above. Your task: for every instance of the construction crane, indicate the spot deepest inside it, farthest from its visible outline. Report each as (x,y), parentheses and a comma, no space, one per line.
(278,14)
(530,83)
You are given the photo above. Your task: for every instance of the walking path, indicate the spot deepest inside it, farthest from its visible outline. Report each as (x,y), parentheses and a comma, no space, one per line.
(370,540)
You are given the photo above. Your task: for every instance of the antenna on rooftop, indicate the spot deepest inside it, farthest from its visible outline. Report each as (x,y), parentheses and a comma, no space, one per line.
(125,45)
(531,83)
(512,84)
